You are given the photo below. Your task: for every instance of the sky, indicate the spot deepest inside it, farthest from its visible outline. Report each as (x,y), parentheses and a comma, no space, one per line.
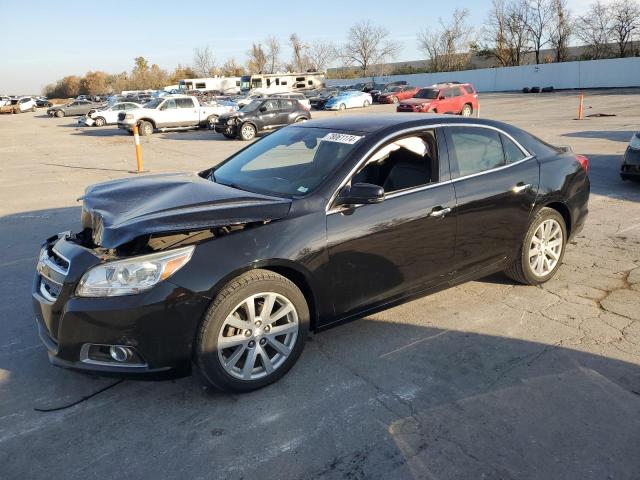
(51,39)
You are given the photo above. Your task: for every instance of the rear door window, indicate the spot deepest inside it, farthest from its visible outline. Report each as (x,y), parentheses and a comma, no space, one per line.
(475,149)
(512,153)
(184,102)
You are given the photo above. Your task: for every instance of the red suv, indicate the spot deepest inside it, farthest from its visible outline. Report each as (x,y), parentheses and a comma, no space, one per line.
(395,94)
(460,98)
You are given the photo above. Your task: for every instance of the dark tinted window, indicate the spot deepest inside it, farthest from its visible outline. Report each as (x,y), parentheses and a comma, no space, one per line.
(184,102)
(270,105)
(512,152)
(447,92)
(475,149)
(286,104)
(468,89)
(457,92)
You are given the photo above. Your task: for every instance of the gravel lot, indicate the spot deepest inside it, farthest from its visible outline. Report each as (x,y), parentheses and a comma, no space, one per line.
(485,380)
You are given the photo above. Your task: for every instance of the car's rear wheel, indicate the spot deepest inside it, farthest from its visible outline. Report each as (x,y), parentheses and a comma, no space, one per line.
(394,100)
(342,106)
(366,103)
(253,333)
(247,131)
(145,128)
(34,108)
(99,122)
(467,110)
(542,251)
(300,120)
(59,113)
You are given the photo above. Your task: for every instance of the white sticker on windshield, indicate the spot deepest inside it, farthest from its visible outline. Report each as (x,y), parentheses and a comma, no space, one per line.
(303,189)
(341,138)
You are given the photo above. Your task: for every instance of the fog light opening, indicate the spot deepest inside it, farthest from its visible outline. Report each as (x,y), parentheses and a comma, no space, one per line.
(120,354)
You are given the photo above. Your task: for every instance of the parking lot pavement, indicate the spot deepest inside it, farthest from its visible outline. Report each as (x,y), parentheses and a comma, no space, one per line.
(486,380)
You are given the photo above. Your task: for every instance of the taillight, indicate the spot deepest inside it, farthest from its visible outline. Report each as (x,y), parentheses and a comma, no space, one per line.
(584,162)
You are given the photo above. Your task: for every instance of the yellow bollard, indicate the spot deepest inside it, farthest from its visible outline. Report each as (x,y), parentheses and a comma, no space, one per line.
(581,107)
(136,140)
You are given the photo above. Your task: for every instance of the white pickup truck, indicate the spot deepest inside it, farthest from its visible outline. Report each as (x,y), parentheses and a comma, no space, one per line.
(173,112)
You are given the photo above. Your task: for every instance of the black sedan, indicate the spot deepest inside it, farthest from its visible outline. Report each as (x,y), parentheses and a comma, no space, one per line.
(316,224)
(261,115)
(630,168)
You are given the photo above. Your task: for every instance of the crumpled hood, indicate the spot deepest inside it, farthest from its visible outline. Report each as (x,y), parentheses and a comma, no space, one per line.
(122,210)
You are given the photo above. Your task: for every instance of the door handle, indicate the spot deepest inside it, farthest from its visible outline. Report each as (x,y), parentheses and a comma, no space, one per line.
(521,187)
(439,212)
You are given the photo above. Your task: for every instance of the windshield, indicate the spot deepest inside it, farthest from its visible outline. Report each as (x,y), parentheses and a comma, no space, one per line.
(154,103)
(430,93)
(253,105)
(292,161)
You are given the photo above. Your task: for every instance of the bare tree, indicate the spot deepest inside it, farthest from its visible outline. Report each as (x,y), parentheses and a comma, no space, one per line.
(594,29)
(507,32)
(204,63)
(561,29)
(447,47)
(625,24)
(257,62)
(273,54)
(231,68)
(367,45)
(320,55)
(300,61)
(540,15)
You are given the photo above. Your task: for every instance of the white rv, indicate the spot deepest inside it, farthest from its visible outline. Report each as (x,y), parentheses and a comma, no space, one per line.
(227,85)
(281,82)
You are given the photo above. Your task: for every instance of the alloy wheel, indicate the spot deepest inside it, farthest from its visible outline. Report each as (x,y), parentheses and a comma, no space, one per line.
(545,247)
(258,336)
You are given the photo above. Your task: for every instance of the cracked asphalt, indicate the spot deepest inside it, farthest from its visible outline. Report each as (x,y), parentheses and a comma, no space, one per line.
(486,380)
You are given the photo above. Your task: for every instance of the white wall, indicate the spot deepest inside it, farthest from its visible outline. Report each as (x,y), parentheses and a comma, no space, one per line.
(616,72)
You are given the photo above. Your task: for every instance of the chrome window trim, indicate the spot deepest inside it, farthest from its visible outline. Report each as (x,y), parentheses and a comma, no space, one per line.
(365,157)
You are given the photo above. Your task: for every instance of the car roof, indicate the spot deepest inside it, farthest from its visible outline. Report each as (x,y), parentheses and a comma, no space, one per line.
(376,123)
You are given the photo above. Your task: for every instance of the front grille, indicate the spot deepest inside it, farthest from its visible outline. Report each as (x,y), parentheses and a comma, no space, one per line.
(53,269)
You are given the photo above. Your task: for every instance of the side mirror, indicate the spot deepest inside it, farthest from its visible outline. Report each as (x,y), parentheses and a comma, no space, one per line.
(263,109)
(441,97)
(360,194)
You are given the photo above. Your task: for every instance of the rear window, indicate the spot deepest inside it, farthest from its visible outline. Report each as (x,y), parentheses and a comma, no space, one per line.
(468,89)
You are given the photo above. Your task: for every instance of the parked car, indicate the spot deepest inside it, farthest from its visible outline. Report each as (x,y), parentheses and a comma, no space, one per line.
(43,102)
(348,99)
(107,115)
(630,167)
(379,88)
(170,112)
(5,101)
(395,94)
(74,108)
(19,105)
(304,101)
(319,100)
(318,223)
(459,99)
(265,114)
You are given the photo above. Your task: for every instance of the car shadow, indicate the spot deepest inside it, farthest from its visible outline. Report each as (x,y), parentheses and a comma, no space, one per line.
(604,173)
(107,131)
(613,135)
(397,394)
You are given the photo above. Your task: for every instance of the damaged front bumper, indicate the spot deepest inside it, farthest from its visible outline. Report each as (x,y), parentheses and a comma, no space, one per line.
(157,326)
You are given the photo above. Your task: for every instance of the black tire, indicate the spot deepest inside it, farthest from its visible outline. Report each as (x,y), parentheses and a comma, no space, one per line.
(145,128)
(99,122)
(300,119)
(34,108)
(342,106)
(233,293)
(520,270)
(247,131)
(467,110)
(59,113)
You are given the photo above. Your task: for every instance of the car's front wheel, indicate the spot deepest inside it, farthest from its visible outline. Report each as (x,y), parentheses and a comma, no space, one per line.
(247,131)
(100,122)
(145,128)
(467,110)
(542,251)
(253,332)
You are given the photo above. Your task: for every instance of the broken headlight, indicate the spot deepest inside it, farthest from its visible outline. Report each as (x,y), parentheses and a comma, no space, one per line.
(133,275)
